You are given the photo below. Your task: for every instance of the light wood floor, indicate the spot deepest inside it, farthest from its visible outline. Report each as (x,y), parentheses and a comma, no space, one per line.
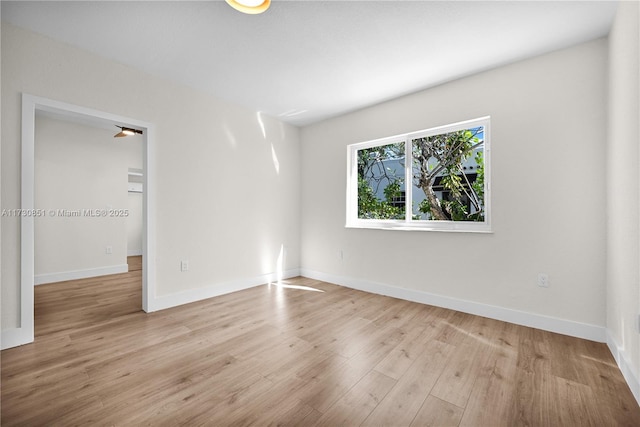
(313,354)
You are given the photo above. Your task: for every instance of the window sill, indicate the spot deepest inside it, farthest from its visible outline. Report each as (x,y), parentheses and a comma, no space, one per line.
(442,226)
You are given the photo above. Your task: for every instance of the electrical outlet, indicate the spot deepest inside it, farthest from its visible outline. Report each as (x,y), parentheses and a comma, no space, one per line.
(543,280)
(108,250)
(184,265)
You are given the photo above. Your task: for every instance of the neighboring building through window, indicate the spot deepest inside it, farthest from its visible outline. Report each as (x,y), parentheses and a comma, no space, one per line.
(447,169)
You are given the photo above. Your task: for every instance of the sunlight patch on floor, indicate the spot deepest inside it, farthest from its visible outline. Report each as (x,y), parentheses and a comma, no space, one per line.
(286,285)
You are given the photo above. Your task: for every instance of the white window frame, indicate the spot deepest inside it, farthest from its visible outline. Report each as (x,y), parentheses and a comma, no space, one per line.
(409,224)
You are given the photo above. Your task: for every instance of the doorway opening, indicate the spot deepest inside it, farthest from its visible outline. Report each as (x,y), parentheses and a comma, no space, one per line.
(32,105)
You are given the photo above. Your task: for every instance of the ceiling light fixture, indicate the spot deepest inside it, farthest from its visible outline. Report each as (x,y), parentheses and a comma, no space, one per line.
(125,131)
(252,7)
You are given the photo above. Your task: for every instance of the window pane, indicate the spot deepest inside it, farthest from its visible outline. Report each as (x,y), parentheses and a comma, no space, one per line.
(381,175)
(448,176)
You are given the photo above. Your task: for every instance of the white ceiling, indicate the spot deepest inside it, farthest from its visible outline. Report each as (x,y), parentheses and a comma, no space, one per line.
(304,61)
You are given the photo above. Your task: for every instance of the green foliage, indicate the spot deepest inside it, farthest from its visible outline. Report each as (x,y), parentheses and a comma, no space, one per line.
(392,190)
(373,174)
(424,206)
(367,200)
(478,184)
(452,182)
(457,210)
(368,158)
(443,156)
(370,207)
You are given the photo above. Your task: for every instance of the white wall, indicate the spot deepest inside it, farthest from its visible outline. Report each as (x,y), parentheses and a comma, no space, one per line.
(548,123)
(206,153)
(79,168)
(623,213)
(135,220)
(134,224)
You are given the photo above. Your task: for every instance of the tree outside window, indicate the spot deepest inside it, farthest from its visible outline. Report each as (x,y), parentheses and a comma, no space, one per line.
(449,170)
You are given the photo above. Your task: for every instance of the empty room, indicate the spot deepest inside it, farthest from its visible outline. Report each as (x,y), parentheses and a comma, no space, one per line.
(380,213)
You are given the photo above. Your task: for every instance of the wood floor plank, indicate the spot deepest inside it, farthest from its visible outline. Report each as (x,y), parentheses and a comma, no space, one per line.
(134,263)
(277,404)
(607,382)
(295,363)
(456,382)
(402,403)
(454,328)
(304,352)
(356,405)
(573,403)
(369,341)
(531,403)
(332,385)
(437,413)
(396,363)
(493,389)
(300,415)
(398,314)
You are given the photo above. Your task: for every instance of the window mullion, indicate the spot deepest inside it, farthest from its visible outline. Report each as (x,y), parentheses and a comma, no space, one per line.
(408,179)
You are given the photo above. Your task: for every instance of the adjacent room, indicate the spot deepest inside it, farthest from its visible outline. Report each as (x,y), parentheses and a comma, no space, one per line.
(390,213)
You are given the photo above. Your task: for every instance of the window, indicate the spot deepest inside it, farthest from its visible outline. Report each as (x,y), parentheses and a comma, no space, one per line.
(434,179)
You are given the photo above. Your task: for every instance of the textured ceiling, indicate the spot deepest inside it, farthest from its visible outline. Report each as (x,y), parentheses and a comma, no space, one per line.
(304,61)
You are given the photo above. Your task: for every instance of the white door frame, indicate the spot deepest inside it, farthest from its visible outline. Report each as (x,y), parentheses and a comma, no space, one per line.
(30,105)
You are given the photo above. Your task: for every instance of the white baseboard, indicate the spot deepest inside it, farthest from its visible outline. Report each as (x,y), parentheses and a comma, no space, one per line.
(552,324)
(42,279)
(625,367)
(134,252)
(193,295)
(14,337)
